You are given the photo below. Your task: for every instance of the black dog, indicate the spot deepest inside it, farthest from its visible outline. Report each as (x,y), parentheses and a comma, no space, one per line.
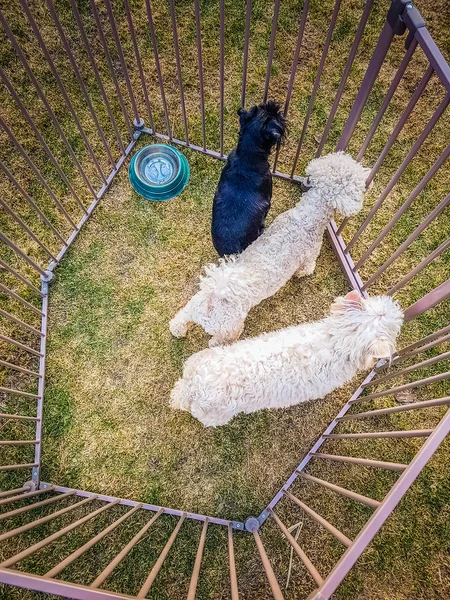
(243,196)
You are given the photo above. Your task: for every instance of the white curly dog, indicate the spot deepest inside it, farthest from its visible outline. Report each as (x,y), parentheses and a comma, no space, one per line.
(289,246)
(293,365)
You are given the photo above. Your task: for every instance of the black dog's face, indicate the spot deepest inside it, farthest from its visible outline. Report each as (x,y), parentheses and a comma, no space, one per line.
(264,123)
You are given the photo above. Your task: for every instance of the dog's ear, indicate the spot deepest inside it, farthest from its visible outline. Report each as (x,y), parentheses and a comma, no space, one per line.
(241,111)
(352,300)
(354,296)
(379,349)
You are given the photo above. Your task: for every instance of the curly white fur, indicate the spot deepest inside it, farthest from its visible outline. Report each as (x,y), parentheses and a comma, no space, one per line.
(289,246)
(289,366)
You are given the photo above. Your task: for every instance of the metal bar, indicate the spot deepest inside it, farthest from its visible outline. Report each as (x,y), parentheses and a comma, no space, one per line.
(316,84)
(200,68)
(8,340)
(55,536)
(16,417)
(80,551)
(25,488)
(19,276)
(380,434)
(7,315)
(41,384)
(406,386)
(276,10)
(344,258)
(300,553)
(395,409)
(222,69)
(425,262)
(328,526)
(47,106)
(9,292)
(432,52)
(401,372)
(123,63)
(17,392)
(389,503)
(19,511)
(17,443)
(61,87)
(158,66)
(248,15)
(111,66)
(30,201)
(442,292)
(345,74)
(84,91)
(41,140)
(8,365)
(274,585)
(410,239)
(388,97)
(98,79)
(178,64)
(21,253)
(25,227)
(375,64)
(113,564)
(365,462)
(197,564)
(154,572)
(28,494)
(33,167)
(343,491)
(15,467)
(401,122)
(293,73)
(416,191)
(138,62)
(433,337)
(233,578)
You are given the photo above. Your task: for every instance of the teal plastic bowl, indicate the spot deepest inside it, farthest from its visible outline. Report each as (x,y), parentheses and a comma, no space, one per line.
(159,172)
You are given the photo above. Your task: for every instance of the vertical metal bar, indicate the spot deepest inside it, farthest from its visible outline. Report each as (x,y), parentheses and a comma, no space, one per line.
(413,195)
(442,292)
(198,562)
(27,494)
(19,511)
(375,64)
(41,386)
(388,97)
(381,434)
(402,372)
(233,578)
(158,66)
(15,392)
(8,340)
(293,73)
(139,62)
(44,145)
(401,122)
(35,170)
(98,79)
(409,240)
(154,572)
(55,536)
(85,547)
(426,261)
(61,87)
(20,277)
(406,351)
(276,10)
(178,64)
(365,462)
(395,409)
(11,492)
(340,490)
(16,443)
(345,74)
(406,386)
(316,84)
(222,69)
(200,68)
(122,59)
(81,83)
(25,227)
(14,319)
(274,585)
(16,417)
(8,365)
(387,506)
(30,201)
(111,66)
(21,253)
(248,15)
(16,467)
(6,290)
(113,564)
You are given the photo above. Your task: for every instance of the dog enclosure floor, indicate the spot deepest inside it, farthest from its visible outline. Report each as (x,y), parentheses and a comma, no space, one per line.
(112,361)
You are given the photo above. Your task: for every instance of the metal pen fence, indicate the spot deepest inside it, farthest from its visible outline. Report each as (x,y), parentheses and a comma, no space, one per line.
(70,159)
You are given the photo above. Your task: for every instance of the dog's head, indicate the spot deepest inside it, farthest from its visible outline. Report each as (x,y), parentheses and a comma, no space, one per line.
(371,326)
(341,179)
(265,124)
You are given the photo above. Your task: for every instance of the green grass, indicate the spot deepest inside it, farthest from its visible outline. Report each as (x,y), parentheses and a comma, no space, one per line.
(111,360)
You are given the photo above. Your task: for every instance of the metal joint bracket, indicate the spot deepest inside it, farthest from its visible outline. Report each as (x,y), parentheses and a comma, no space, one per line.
(395,14)
(252,524)
(138,124)
(48,276)
(413,21)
